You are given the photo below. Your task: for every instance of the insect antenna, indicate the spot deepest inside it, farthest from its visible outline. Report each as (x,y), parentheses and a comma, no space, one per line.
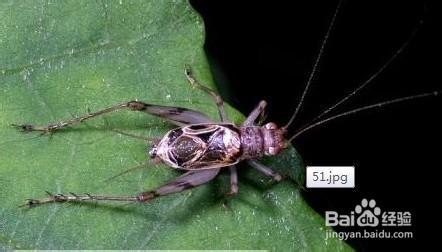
(373,76)
(356,110)
(317,122)
(315,67)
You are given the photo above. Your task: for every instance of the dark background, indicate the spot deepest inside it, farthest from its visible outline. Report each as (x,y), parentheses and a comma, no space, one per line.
(266,50)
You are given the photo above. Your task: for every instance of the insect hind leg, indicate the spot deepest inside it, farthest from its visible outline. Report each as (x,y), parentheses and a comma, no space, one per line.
(176,115)
(186,181)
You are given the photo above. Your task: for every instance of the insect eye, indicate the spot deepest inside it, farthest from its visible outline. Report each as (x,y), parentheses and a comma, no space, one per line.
(271,125)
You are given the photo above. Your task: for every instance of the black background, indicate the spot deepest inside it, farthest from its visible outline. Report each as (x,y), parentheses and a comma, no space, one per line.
(266,50)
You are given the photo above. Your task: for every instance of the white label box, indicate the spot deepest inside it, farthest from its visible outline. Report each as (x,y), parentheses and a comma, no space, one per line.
(330,177)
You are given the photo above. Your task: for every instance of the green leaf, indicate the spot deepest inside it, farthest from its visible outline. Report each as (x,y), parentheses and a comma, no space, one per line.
(63,58)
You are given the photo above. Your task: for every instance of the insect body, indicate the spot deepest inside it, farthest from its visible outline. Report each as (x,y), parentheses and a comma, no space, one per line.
(199,146)
(208,146)
(202,147)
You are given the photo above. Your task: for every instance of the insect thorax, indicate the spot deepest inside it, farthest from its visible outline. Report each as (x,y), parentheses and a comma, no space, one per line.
(207,146)
(259,141)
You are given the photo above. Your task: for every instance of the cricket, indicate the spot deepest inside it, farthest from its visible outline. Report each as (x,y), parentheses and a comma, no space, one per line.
(201,147)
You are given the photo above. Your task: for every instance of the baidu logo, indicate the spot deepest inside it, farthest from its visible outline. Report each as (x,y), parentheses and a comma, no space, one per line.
(367,214)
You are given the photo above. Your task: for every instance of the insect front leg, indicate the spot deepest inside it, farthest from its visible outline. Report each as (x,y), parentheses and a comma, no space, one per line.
(216,97)
(265,170)
(186,181)
(176,115)
(257,111)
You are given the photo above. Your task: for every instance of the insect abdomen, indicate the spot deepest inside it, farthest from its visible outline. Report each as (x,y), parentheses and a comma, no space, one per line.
(201,146)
